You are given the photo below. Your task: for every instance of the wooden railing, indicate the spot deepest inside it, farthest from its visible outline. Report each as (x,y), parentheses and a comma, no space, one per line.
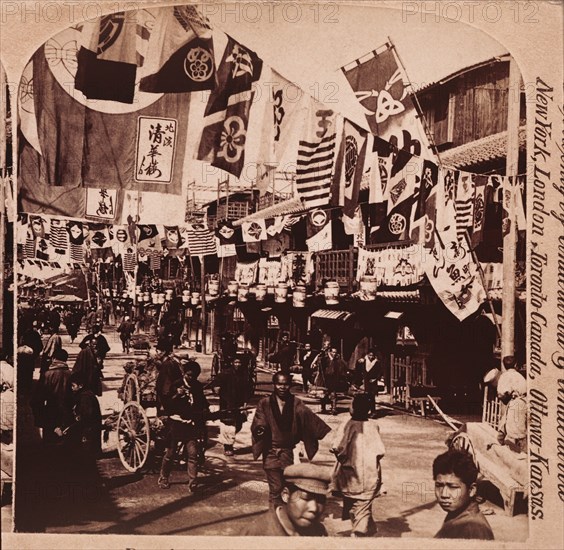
(492,408)
(405,374)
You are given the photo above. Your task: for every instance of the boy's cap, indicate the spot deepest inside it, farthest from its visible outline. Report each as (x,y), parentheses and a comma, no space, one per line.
(309,477)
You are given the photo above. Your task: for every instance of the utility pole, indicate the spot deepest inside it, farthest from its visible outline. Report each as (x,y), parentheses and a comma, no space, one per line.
(510,238)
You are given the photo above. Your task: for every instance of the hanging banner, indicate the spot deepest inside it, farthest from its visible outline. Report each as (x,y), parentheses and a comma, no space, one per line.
(382,88)
(155,149)
(246,272)
(101,204)
(316,155)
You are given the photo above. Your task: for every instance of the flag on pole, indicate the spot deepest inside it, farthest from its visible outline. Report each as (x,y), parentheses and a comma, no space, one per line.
(464,203)
(285,107)
(107,59)
(480,183)
(454,276)
(201,240)
(396,225)
(227,112)
(383,90)
(180,55)
(316,156)
(349,168)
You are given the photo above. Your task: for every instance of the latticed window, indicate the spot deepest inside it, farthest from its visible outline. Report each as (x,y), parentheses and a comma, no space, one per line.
(335,265)
(233,211)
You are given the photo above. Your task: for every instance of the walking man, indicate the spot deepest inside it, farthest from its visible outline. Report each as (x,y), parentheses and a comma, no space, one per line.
(281,421)
(125,330)
(234,393)
(186,407)
(368,372)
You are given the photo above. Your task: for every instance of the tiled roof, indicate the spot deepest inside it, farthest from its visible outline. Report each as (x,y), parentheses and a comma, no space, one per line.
(291,206)
(481,150)
(426,85)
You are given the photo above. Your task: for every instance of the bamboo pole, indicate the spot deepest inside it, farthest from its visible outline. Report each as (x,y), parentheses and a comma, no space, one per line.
(2,247)
(510,239)
(203,320)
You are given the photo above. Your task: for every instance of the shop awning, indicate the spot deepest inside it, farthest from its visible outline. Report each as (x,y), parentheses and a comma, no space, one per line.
(399,295)
(66,299)
(332,314)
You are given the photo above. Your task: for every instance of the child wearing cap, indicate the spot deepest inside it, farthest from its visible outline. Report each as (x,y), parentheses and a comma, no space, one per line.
(303,502)
(455,477)
(359,449)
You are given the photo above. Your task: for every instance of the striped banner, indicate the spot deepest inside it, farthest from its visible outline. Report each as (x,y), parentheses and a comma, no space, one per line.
(464,204)
(77,253)
(314,170)
(58,236)
(129,260)
(201,240)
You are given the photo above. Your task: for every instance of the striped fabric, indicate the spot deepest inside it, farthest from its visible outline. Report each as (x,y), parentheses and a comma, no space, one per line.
(314,170)
(155,260)
(129,260)
(201,240)
(464,204)
(29,247)
(58,236)
(77,253)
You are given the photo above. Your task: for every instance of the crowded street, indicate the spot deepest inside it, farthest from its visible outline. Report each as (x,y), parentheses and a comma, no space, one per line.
(232,491)
(266,283)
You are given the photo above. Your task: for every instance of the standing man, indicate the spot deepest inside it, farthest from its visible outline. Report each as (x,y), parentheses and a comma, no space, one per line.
(29,351)
(303,497)
(125,330)
(335,375)
(281,421)
(87,369)
(234,393)
(512,392)
(52,402)
(187,407)
(285,354)
(367,372)
(169,374)
(99,342)
(307,356)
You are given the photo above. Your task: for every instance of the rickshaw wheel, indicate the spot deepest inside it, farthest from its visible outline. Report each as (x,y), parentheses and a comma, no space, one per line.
(134,436)
(131,389)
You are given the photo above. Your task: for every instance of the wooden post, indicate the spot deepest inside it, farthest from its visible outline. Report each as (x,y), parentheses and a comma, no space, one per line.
(2,244)
(203,320)
(510,239)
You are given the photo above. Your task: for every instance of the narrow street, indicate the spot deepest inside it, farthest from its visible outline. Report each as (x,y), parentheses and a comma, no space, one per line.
(232,491)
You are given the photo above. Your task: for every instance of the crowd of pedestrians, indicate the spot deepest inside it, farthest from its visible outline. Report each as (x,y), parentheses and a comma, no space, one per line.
(65,406)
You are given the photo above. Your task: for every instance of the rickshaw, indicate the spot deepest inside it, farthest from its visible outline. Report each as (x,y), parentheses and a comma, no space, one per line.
(225,356)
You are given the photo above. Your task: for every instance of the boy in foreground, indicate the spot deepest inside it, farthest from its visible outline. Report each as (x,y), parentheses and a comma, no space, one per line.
(455,476)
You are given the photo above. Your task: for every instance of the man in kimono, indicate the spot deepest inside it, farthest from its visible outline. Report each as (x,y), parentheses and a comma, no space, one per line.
(281,421)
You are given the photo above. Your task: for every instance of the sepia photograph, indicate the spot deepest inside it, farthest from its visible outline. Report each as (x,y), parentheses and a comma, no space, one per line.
(282,269)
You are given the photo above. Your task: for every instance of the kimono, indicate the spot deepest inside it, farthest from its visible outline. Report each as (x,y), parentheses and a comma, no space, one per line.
(468,523)
(357,475)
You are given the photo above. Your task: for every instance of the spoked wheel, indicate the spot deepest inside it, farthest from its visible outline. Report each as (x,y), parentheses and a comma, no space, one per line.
(461,442)
(131,389)
(134,436)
